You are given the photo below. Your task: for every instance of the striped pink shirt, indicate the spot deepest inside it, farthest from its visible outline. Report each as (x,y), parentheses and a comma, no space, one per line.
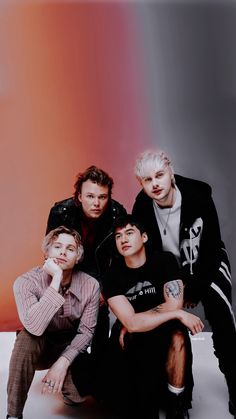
(41,308)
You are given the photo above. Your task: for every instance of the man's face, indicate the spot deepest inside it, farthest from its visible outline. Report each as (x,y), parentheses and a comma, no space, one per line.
(64,250)
(94,198)
(130,241)
(157,184)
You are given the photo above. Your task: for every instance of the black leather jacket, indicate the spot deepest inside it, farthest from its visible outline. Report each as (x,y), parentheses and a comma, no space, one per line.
(97,257)
(202,253)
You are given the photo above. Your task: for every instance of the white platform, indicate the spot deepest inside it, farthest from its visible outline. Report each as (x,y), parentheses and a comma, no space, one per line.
(210,398)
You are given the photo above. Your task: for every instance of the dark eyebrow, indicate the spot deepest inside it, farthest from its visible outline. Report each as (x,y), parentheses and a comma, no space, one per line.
(129,229)
(126,231)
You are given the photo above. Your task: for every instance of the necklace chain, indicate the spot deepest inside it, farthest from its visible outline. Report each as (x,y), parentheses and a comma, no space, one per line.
(165,225)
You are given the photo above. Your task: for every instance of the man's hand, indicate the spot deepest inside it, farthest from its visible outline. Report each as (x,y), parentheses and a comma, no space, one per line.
(189,304)
(192,322)
(54,379)
(122,336)
(51,267)
(166,306)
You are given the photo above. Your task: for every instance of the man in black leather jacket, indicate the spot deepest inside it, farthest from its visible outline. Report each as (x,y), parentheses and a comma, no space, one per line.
(91,212)
(179,215)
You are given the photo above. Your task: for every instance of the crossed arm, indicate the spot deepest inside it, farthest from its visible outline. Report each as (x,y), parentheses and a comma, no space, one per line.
(148,320)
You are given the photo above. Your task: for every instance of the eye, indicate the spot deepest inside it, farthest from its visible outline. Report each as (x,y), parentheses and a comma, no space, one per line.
(147,179)
(103,197)
(117,236)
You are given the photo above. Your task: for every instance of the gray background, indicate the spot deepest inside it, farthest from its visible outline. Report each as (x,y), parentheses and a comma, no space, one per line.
(193,50)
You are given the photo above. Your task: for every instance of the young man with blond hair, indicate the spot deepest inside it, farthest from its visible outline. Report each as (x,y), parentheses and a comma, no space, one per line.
(58,306)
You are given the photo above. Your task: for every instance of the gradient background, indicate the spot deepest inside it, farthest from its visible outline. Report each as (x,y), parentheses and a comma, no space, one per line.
(86,83)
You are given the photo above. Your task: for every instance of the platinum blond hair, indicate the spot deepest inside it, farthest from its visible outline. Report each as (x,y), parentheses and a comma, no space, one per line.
(149,159)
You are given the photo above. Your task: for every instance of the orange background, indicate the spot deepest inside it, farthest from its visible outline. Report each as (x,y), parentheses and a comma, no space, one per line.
(70,97)
(91,82)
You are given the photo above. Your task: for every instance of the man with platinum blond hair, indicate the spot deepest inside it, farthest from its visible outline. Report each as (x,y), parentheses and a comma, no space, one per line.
(58,306)
(179,216)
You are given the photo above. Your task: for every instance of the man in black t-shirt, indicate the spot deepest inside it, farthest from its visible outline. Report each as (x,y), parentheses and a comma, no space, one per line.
(146,296)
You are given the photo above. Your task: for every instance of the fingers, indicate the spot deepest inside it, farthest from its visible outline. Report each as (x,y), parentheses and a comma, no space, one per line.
(121,340)
(189,304)
(197,327)
(49,386)
(46,386)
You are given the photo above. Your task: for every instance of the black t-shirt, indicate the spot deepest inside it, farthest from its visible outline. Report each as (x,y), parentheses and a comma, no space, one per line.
(142,286)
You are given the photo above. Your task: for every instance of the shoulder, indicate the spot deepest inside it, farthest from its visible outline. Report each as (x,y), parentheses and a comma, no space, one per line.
(192,186)
(65,204)
(164,263)
(160,257)
(86,280)
(142,200)
(28,278)
(113,279)
(117,209)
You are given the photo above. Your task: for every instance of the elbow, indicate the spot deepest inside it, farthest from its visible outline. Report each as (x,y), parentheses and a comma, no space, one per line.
(33,331)
(132,329)
(132,326)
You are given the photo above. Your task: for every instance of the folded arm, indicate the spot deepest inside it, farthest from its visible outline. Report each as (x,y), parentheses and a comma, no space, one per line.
(145,321)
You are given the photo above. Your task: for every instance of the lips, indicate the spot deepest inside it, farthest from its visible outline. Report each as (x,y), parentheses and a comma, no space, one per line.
(59,260)
(124,248)
(157,191)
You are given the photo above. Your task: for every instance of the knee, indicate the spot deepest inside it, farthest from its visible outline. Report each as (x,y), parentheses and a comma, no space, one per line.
(26,343)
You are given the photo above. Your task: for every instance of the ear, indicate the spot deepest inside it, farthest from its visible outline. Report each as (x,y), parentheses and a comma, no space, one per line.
(172,173)
(145,237)
(139,179)
(79,197)
(80,253)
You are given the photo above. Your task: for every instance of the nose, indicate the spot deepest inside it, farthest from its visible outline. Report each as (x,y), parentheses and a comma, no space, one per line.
(96,201)
(123,239)
(63,251)
(155,182)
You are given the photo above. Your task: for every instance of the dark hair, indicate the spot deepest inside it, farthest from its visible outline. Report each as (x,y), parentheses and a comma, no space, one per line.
(96,175)
(124,220)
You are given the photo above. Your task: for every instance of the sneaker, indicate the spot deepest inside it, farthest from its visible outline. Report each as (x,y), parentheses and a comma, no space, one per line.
(232,409)
(70,402)
(231,383)
(175,407)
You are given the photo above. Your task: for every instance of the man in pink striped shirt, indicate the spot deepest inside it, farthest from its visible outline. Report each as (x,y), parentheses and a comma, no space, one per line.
(58,306)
